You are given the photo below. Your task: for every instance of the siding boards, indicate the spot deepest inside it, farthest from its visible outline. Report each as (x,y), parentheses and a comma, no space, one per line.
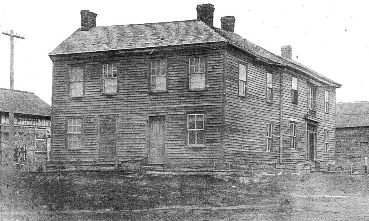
(133,104)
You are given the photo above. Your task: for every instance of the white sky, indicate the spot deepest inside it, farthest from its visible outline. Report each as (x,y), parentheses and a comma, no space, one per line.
(330,36)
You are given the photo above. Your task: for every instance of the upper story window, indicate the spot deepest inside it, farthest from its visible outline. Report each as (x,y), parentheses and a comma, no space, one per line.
(158,76)
(269,84)
(326,101)
(74,133)
(110,80)
(76,81)
(293,135)
(197,73)
(195,129)
(294,91)
(242,74)
(312,98)
(269,137)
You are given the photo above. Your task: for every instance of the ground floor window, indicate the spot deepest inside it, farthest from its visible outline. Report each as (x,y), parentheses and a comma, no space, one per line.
(326,140)
(74,133)
(195,129)
(293,135)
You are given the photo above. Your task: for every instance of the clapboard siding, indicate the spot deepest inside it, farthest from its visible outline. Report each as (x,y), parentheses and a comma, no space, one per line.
(133,104)
(246,117)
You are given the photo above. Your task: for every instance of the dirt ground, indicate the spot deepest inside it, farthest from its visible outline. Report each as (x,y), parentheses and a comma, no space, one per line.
(316,196)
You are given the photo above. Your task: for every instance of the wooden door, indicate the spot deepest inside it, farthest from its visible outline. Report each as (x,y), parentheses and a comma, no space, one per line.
(108,138)
(156,140)
(311,141)
(364,154)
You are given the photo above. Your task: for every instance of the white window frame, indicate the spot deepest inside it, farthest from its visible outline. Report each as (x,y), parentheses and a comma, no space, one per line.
(242,80)
(197,68)
(269,87)
(294,90)
(73,80)
(74,133)
(293,135)
(158,69)
(269,137)
(326,101)
(110,73)
(195,129)
(326,140)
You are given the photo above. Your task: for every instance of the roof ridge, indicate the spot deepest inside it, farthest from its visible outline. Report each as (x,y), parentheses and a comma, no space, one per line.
(17,90)
(149,23)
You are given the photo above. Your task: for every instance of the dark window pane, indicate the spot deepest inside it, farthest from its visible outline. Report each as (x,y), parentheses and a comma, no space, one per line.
(191,121)
(191,137)
(200,137)
(200,122)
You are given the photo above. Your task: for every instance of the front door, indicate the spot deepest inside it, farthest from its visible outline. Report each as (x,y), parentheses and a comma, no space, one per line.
(156,140)
(311,140)
(364,154)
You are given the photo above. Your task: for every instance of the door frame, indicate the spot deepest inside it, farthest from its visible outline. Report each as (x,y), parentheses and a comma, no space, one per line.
(308,146)
(164,157)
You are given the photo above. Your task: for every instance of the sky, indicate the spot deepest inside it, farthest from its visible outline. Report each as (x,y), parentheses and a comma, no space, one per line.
(330,36)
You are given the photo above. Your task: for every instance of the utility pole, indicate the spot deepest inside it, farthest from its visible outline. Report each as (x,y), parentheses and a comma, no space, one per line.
(11,111)
(12,36)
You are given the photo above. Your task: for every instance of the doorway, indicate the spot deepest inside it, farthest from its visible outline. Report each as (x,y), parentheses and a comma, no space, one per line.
(311,141)
(156,147)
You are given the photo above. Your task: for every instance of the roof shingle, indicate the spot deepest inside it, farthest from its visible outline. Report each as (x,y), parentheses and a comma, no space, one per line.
(23,102)
(177,33)
(353,114)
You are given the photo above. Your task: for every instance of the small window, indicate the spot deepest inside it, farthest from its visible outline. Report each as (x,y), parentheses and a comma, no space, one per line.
(110,80)
(326,101)
(195,129)
(74,133)
(197,73)
(294,91)
(76,81)
(326,140)
(269,92)
(242,73)
(269,137)
(158,76)
(293,135)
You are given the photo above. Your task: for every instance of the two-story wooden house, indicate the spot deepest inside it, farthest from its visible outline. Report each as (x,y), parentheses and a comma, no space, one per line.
(185,94)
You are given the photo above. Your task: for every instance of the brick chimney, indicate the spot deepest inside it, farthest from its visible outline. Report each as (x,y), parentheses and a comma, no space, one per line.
(286,52)
(88,20)
(227,23)
(205,13)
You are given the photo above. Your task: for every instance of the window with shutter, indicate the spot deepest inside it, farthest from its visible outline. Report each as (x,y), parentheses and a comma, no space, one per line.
(269,83)
(294,91)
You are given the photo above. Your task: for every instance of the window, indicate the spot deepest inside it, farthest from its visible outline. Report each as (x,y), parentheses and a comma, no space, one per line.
(158,76)
(197,73)
(311,98)
(294,91)
(269,92)
(326,140)
(293,135)
(110,82)
(74,133)
(76,82)
(242,72)
(195,129)
(269,137)
(326,101)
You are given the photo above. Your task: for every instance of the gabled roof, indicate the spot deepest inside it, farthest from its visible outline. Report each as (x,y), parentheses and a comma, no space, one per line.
(23,102)
(352,114)
(138,36)
(177,33)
